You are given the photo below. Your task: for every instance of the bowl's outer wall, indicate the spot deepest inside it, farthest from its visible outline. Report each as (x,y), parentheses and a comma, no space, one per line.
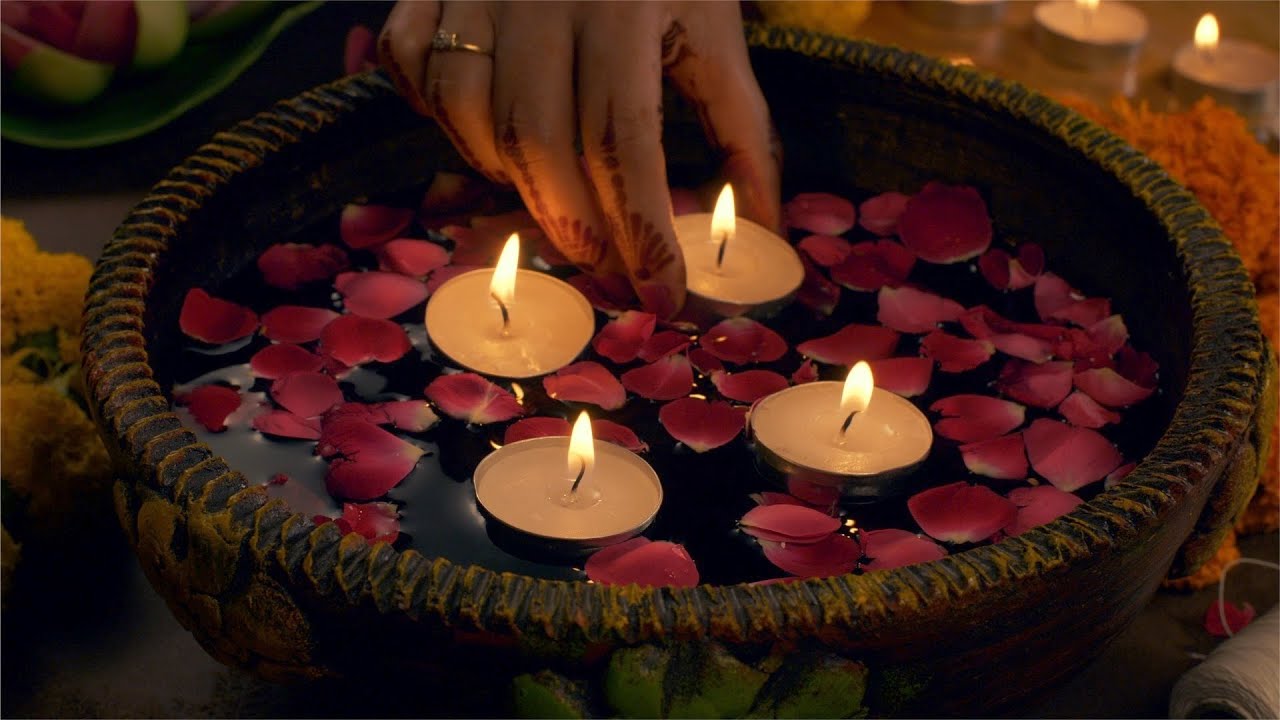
(269,590)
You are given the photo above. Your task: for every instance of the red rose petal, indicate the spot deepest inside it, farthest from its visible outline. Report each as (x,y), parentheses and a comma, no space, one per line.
(662,344)
(873,265)
(467,396)
(960,512)
(749,385)
(1085,313)
(945,224)
(974,418)
(1082,411)
(851,343)
(704,362)
(1005,272)
(822,213)
(1237,617)
(891,548)
(452,193)
(618,435)
(358,50)
(377,521)
(1110,333)
(1031,258)
(282,423)
(1107,387)
(306,394)
(210,405)
(1053,294)
(905,376)
(534,427)
(684,202)
(379,294)
(700,424)
(214,320)
(354,340)
(295,323)
(788,523)
(365,226)
(994,266)
(443,275)
(365,460)
(1002,458)
(415,258)
(291,265)
(825,250)
(642,562)
(407,415)
(586,382)
(1042,386)
(1039,505)
(743,340)
(1024,347)
(814,493)
(817,292)
(620,339)
(1085,352)
(279,479)
(909,310)
(879,215)
(983,322)
(832,555)
(955,354)
(1137,367)
(776,498)
(666,379)
(276,361)
(1115,476)
(807,373)
(1069,457)
(609,298)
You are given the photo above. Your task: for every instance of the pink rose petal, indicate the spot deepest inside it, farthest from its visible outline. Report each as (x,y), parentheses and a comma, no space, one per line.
(407,415)
(210,405)
(960,512)
(879,215)
(806,373)
(955,354)
(1031,258)
(905,376)
(1024,347)
(788,523)
(355,340)
(359,50)
(1069,457)
(1082,411)
(282,423)
(1238,617)
(945,224)
(1107,387)
(776,498)
(586,382)
(909,310)
(289,266)
(618,434)
(1039,505)
(994,266)
(1110,333)
(1052,294)
(1079,347)
(814,493)
(820,213)
(1120,473)
(825,250)
(642,562)
(1042,386)
(376,521)
(662,344)
(467,396)
(1006,272)
(452,193)
(704,362)
(749,385)
(833,555)
(415,258)
(743,340)
(851,343)
(1137,367)
(891,548)
(700,424)
(379,294)
(666,379)
(609,298)
(983,322)
(816,291)
(974,418)
(620,339)
(873,265)
(276,361)
(365,461)
(1084,313)
(1002,458)
(440,276)
(535,427)
(295,323)
(306,394)
(366,226)
(214,320)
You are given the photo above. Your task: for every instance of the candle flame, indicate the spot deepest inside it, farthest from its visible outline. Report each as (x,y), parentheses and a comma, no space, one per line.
(723,221)
(503,285)
(856,395)
(1207,33)
(582,447)
(1087,6)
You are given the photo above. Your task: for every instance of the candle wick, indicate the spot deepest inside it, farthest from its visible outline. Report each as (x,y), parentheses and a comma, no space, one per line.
(724,243)
(582,471)
(847,422)
(506,315)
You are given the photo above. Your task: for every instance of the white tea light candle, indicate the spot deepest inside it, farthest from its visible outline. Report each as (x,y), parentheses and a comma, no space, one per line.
(734,266)
(1089,33)
(509,322)
(1235,73)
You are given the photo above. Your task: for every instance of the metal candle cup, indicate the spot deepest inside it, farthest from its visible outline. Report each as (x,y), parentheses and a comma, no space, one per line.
(1089,34)
(1234,73)
(957,13)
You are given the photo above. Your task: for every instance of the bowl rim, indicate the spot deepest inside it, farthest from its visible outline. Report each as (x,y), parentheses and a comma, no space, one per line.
(134,414)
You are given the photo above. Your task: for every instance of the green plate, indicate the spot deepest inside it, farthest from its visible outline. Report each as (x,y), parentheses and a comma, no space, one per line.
(130,109)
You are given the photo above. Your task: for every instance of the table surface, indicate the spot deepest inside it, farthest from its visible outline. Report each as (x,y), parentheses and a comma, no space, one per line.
(124,655)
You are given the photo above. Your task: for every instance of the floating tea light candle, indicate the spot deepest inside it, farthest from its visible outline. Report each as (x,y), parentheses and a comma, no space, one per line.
(957,13)
(734,266)
(1089,33)
(574,490)
(1235,73)
(850,435)
(509,323)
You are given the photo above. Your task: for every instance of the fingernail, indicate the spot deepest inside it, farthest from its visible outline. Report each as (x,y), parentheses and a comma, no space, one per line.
(656,298)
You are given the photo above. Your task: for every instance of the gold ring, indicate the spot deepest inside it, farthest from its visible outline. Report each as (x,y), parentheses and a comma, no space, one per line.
(445,41)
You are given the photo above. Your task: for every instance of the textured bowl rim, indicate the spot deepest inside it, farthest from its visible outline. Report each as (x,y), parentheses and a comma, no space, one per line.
(135,414)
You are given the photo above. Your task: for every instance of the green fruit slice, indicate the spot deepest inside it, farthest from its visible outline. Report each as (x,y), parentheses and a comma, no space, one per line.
(162,31)
(227,20)
(54,76)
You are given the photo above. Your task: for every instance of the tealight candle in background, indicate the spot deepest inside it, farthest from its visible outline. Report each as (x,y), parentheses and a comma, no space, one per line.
(1089,33)
(851,435)
(509,322)
(957,13)
(734,266)
(577,491)
(1235,73)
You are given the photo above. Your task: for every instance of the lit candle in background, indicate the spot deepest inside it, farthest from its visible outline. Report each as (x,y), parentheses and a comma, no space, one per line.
(1234,73)
(1089,33)
(734,266)
(480,320)
(576,490)
(851,435)
(957,13)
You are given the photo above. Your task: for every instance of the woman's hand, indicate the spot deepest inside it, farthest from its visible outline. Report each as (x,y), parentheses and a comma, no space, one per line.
(540,75)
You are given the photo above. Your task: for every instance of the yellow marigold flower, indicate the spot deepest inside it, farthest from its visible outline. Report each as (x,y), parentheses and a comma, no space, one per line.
(39,291)
(835,17)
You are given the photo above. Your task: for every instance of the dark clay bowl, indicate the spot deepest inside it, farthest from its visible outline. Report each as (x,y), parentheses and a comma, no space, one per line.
(265,588)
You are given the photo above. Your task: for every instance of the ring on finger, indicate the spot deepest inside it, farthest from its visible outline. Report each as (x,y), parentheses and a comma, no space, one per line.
(446,41)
